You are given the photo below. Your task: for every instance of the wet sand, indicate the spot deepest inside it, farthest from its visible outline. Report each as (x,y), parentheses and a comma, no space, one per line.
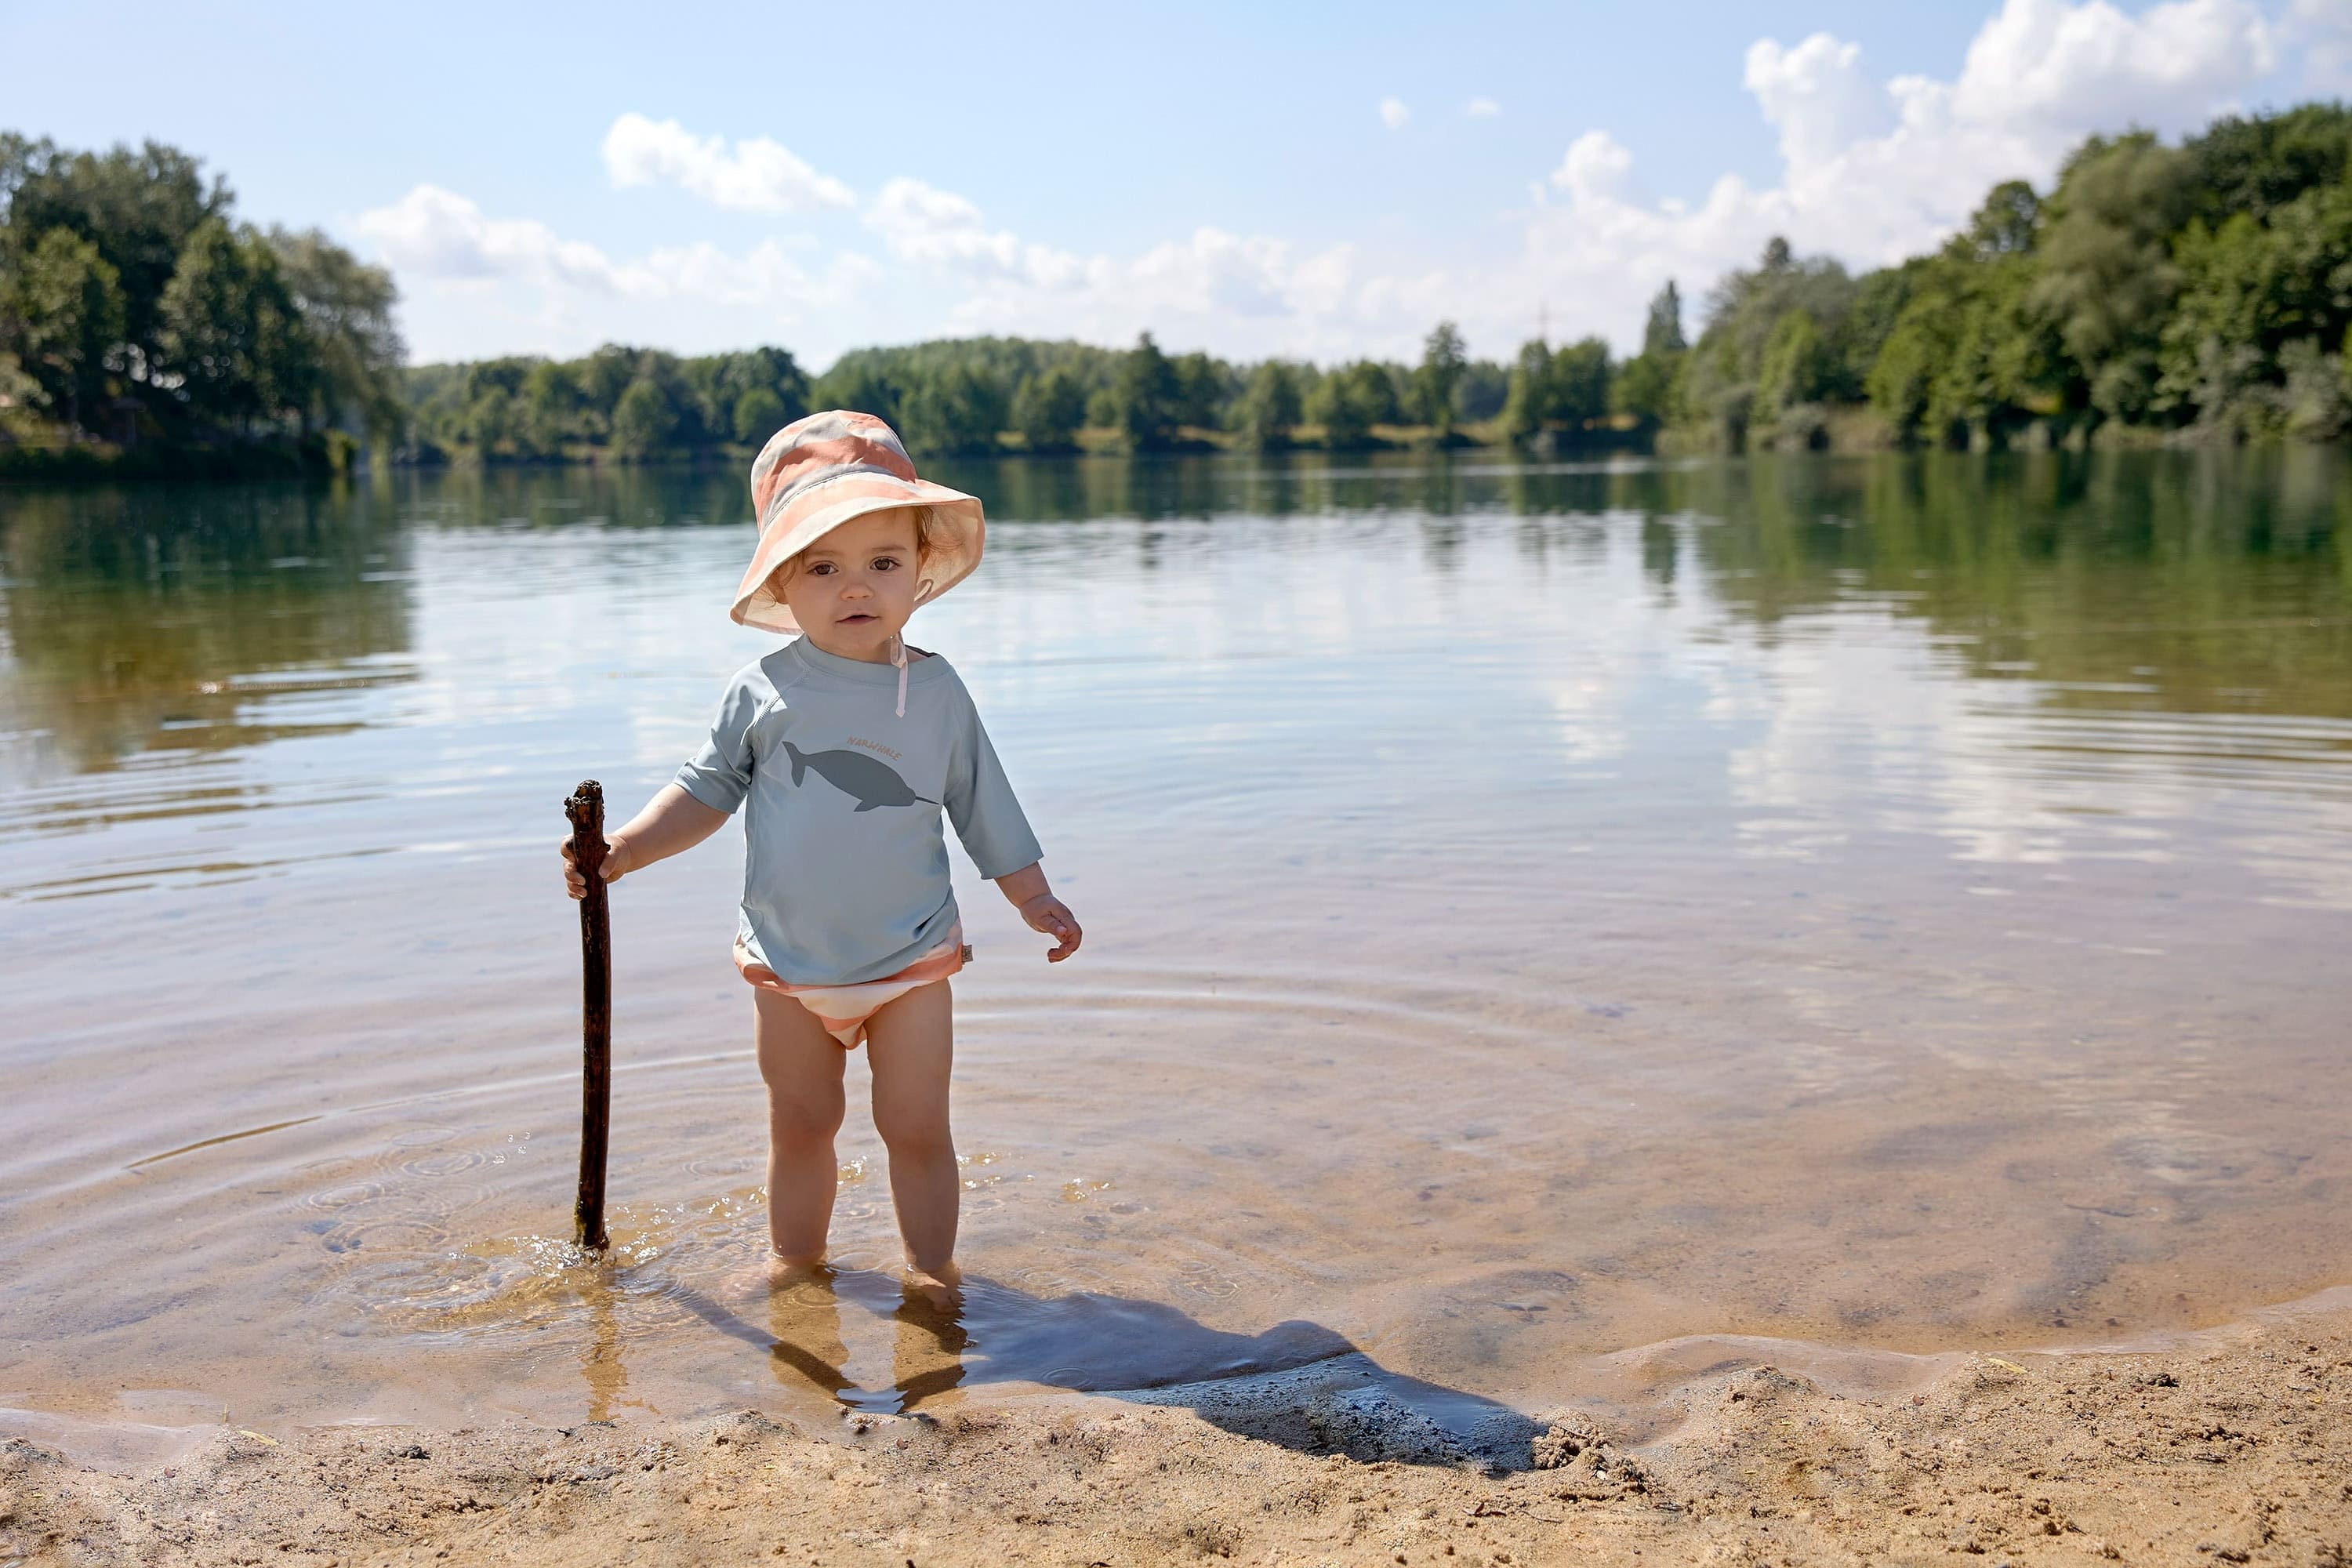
(2228,1446)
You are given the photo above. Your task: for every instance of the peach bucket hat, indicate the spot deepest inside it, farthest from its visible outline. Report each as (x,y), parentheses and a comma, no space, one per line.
(819,472)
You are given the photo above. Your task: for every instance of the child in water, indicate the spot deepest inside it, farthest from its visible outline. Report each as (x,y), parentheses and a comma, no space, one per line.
(847,745)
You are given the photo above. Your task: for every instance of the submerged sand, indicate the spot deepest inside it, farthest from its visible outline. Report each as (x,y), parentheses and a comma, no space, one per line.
(2228,1446)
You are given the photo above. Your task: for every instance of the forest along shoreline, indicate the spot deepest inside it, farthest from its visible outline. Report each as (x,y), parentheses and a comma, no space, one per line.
(2155,294)
(2227,1445)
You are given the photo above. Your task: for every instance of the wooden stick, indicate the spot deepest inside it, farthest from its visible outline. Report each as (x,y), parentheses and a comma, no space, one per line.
(587,810)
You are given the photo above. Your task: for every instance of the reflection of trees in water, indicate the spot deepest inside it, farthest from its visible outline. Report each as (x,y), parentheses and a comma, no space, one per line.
(653,496)
(2205,582)
(1659,550)
(2223,581)
(2199,574)
(132,615)
(147,617)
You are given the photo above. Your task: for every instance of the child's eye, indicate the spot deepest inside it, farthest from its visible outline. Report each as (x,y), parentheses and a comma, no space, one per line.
(821,569)
(885,563)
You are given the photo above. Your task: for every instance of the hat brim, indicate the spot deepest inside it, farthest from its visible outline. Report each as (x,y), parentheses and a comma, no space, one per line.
(955,537)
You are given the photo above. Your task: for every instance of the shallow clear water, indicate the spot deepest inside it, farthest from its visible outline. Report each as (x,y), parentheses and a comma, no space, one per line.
(1531,913)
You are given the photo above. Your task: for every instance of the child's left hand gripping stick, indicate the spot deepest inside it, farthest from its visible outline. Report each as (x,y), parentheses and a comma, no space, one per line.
(587,810)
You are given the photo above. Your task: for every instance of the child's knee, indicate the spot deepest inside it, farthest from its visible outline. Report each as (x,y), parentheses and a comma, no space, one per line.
(800,1118)
(917,1136)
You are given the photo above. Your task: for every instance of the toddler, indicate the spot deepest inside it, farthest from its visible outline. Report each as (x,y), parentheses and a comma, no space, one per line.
(846,745)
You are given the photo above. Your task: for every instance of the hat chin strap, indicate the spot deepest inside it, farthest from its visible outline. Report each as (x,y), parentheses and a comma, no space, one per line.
(899,657)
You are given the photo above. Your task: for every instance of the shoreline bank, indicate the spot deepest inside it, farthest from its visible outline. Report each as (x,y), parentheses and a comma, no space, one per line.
(2231,1445)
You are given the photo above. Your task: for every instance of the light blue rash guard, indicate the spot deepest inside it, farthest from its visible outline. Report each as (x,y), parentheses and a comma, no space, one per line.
(845,867)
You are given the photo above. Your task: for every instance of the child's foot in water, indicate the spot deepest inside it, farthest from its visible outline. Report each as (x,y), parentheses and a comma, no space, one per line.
(941,1288)
(778,1272)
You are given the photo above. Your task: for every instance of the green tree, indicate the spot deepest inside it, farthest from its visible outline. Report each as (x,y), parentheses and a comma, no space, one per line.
(2106,277)
(1048,409)
(1716,382)
(1270,406)
(2255,165)
(1579,383)
(1797,368)
(1661,332)
(549,407)
(1200,390)
(139,207)
(1642,388)
(1443,363)
(1484,386)
(232,334)
(758,414)
(1528,403)
(1643,385)
(2007,223)
(858,387)
(63,319)
(346,313)
(643,420)
(603,378)
(1350,400)
(21,398)
(954,410)
(2256,288)
(1146,398)
(1340,416)
(492,424)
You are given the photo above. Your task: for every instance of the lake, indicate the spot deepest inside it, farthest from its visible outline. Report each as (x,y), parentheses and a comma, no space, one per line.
(1534,913)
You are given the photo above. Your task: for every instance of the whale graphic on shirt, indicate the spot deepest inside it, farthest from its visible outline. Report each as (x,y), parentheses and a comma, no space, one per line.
(864,778)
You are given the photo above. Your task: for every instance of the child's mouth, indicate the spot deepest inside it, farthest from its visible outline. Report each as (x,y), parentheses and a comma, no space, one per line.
(857,619)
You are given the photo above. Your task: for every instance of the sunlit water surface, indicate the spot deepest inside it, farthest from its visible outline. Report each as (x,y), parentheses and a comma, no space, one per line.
(1532,913)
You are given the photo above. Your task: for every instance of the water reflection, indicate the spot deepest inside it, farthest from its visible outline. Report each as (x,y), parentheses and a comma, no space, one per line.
(137,620)
(175,618)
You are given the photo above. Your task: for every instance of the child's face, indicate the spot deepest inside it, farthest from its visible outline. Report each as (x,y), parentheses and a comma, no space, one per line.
(853,589)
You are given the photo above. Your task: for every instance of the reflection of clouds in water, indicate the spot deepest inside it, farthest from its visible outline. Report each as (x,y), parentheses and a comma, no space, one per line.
(1866,722)
(1628,659)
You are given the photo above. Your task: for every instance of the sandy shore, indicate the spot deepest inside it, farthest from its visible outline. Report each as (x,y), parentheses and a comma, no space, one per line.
(2228,1446)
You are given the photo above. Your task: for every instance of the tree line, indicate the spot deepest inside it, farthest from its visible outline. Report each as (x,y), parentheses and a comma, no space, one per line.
(136,309)
(2200,290)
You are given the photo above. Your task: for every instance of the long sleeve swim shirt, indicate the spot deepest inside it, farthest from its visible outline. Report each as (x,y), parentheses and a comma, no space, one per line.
(845,866)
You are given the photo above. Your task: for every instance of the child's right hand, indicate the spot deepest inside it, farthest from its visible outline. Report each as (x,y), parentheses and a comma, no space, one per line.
(616,864)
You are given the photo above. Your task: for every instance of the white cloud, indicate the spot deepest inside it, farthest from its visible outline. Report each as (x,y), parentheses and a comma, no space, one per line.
(923,223)
(1873,175)
(1193,290)
(1596,169)
(1393,113)
(1482,109)
(2319,33)
(760,176)
(442,236)
(2056,71)
(1816,94)
(439,234)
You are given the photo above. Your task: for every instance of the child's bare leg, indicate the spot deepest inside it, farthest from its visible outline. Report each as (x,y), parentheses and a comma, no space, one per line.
(801,1065)
(911,1044)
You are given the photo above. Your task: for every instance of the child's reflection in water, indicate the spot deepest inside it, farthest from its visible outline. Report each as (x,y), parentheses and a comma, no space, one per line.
(929,1341)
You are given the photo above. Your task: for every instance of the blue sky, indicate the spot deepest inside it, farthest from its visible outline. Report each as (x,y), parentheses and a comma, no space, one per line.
(1322,181)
